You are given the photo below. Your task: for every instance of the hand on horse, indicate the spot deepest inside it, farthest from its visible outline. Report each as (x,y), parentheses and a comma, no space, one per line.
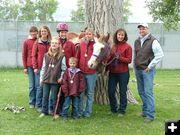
(117,55)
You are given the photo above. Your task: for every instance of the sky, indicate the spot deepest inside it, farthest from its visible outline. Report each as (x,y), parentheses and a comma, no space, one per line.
(140,13)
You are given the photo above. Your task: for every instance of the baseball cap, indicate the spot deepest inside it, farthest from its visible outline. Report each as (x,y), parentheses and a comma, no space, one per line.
(143,25)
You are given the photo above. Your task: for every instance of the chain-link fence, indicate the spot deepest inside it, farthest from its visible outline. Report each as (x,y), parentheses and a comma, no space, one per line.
(13,34)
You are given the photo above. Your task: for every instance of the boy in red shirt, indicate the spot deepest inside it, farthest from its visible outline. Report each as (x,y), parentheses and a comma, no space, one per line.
(73,84)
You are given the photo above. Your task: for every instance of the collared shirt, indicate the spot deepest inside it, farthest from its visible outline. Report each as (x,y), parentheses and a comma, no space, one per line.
(73,70)
(157,50)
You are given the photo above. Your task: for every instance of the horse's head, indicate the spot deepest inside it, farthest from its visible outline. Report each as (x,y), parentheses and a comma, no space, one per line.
(101,50)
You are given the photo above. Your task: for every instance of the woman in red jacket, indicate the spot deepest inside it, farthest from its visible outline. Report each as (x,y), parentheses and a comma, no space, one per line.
(84,54)
(27,63)
(119,71)
(40,47)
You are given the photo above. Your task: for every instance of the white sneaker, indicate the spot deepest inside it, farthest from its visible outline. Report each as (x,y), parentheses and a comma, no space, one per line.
(120,115)
(31,106)
(41,115)
(56,117)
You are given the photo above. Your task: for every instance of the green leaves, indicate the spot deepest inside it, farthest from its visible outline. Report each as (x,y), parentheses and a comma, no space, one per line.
(167,11)
(9,10)
(126,10)
(78,15)
(28,10)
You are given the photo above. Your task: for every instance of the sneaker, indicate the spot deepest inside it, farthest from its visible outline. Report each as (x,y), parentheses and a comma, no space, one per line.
(147,120)
(41,115)
(50,112)
(56,117)
(39,110)
(87,116)
(79,116)
(64,118)
(120,115)
(142,115)
(31,106)
(75,118)
(112,113)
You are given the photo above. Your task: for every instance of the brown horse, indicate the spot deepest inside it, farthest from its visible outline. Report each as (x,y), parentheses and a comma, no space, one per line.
(74,37)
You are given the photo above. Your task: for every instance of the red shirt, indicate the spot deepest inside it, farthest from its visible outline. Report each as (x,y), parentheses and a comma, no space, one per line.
(74,88)
(27,52)
(69,50)
(39,49)
(84,54)
(124,51)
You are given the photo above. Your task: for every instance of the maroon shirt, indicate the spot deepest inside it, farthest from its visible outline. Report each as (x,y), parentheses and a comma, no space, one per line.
(124,51)
(87,49)
(69,49)
(39,49)
(73,84)
(27,52)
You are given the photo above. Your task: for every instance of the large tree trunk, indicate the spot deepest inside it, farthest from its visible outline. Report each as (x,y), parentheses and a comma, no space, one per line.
(105,16)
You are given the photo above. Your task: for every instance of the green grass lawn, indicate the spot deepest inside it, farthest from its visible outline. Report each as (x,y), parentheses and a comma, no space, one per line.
(14,89)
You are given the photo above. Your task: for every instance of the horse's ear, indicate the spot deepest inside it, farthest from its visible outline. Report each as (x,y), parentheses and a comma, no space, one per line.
(97,35)
(107,37)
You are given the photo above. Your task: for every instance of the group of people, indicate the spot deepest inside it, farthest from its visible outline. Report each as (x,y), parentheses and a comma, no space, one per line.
(54,65)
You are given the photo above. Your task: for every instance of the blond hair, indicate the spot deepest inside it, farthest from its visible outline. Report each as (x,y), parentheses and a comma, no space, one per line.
(55,53)
(73,59)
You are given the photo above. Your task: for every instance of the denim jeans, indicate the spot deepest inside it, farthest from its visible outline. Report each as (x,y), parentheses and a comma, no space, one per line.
(32,88)
(66,105)
(89,93)
(114,79)
(46,92)
(60,104)
(145,89)
(50,103)
(39,91)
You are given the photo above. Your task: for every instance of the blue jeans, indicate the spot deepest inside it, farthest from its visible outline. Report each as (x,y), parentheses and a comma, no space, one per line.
(46,93)
(89,93)
(66,105)
(145,89)
(122,79)
(32,88)
(50,103)
(39,91)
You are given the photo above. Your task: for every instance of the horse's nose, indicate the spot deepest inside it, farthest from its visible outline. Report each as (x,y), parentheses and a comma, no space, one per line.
(90,65)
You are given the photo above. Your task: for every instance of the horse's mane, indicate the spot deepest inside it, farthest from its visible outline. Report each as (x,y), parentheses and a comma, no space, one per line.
(73,37)
(104,39)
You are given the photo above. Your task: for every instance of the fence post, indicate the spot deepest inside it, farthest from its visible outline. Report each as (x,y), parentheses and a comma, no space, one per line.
(162,42)
(16,43)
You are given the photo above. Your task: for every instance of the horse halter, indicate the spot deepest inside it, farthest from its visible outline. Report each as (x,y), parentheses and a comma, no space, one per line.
(103,53)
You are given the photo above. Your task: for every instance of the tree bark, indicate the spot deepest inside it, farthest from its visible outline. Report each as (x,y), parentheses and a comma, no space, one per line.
(105,16)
